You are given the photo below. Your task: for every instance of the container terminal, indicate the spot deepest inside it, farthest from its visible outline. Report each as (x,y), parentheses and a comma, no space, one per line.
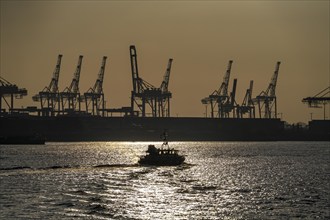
(68,115)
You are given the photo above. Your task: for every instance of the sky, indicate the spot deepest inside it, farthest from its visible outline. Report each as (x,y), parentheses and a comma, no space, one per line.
(200,36)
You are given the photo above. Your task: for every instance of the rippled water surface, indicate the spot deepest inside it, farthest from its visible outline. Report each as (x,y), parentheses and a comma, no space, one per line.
(220,180)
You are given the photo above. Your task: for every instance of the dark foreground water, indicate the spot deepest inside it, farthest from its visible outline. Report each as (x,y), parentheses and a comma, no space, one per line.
(220,180)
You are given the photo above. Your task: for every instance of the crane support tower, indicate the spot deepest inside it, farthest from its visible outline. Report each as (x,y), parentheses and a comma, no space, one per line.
(144,94)
(11,90)
(321,98)
(49,97)
(220,102)
(70,97)
(266,100)
(95,96)
(247,106)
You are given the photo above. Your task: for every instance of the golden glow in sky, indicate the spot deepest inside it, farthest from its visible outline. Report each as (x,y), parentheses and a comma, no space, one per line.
(201,36)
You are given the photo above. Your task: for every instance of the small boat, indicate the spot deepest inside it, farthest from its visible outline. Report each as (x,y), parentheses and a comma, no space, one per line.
(163,156)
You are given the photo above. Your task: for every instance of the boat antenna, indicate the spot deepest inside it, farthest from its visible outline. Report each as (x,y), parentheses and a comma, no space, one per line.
(164,136)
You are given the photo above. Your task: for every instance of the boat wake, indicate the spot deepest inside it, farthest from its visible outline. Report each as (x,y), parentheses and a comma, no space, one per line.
(58,167)
(115,165)
(183,166)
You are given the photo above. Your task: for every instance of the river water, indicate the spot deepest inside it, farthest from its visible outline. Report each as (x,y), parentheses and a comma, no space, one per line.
(219,180)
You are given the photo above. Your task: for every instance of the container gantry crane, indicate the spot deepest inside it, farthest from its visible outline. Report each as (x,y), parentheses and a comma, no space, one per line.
(321,98)
(49,97)
(164,107)
(70,97)
(247,106)
(95,95)
(143,94)
(219,97)
(266,100)
(230,105)
(11,90)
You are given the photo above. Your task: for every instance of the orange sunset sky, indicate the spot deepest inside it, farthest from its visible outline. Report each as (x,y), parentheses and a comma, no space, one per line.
(200,36)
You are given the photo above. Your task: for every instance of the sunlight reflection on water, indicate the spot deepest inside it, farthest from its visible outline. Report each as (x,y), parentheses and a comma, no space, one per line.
(102,180)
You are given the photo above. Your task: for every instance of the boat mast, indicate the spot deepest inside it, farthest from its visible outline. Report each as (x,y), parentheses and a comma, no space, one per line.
(164,136)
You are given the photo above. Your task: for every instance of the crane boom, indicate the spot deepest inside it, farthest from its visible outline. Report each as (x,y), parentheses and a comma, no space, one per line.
(134,68)
(219,97)
(233,93)
(74,87)
(144,93)
(251,86)
(322,97)
(247,105)
(248,96)
(49,96)
(98,86)
(53,86)
(223,90)
(266,100)
(250,102)
(272,86)
(166,79)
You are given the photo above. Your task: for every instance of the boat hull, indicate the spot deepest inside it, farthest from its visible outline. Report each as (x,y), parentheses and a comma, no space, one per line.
(165,160)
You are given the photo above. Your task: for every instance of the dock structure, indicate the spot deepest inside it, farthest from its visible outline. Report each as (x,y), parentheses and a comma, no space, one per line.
(71,116)
(12,91)
(147,100)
